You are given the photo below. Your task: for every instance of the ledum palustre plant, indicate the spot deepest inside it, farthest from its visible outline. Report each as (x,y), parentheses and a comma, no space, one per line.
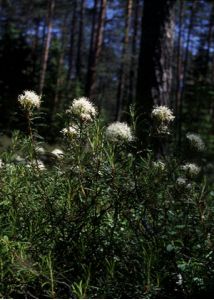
(96,219)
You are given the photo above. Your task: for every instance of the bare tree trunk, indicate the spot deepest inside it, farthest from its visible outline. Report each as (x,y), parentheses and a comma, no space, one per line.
(92,47)
(72,41)
(154,71)
(35,46)
(133,67)
(179,65)
(60,64)
(210,36)
(91,80)
(36,35)
(80,41)
(51,5)
(43,33)
(186,60)
(124,61)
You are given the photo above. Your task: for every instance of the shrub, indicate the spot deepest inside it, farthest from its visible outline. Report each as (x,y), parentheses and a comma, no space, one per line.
(101,221)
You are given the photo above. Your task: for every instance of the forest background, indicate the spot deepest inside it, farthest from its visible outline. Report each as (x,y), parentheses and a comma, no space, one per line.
(106,51)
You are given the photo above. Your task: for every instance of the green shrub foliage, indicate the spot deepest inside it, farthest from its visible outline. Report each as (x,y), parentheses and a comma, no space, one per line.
(99,219)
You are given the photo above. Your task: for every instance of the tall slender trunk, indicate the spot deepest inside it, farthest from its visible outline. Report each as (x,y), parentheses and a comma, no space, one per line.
(133,67)
(179,65)
(35,41)
(72,41)
(35,44)
(124,61)
(92,46)
(186,60)
(154,71)
(44,26)
(96,50)
(209,74)
(80,41)
(51,5)
(210,36)
(59,79)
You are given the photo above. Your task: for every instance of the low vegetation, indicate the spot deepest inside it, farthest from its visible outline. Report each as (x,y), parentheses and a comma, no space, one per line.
(99,218)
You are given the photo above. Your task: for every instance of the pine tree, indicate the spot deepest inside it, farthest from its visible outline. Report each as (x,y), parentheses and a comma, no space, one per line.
(123,72)
(154,71)
(50,12)
(96,47)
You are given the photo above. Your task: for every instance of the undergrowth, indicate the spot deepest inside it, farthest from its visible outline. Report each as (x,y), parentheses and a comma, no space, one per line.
(101,220)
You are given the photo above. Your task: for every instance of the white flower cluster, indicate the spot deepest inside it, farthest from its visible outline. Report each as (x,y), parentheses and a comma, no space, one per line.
(58,153)
(179,279)
(195,141)
(182,183)
(191,169)
(11,167)
(40,150)
(162,114)
(159,165)
(41,165)
(118,132)
(70,132)
(1,163)
(18,158)
(83,109)
(29,100)
(36,164)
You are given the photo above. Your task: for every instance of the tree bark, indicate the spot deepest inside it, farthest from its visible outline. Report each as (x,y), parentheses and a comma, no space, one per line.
(92,46)
(186,60)
(59,79)
(96,50)
(179,62)
(72,41)
(209,37)
(35,44)
(133,66)
(154,71)
(51,5)
(124,62)
(80,42)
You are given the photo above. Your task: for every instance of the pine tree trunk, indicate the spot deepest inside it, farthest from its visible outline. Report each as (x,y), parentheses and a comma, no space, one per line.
(186,60)
(35,45)
(133,65)
(210,36)
(80,42)
(179,63)
(96,50)
(59,79)
(124,62)
(211,74)
(92,47)
(154,71)
(51,5)
(44,26)
(72,41)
